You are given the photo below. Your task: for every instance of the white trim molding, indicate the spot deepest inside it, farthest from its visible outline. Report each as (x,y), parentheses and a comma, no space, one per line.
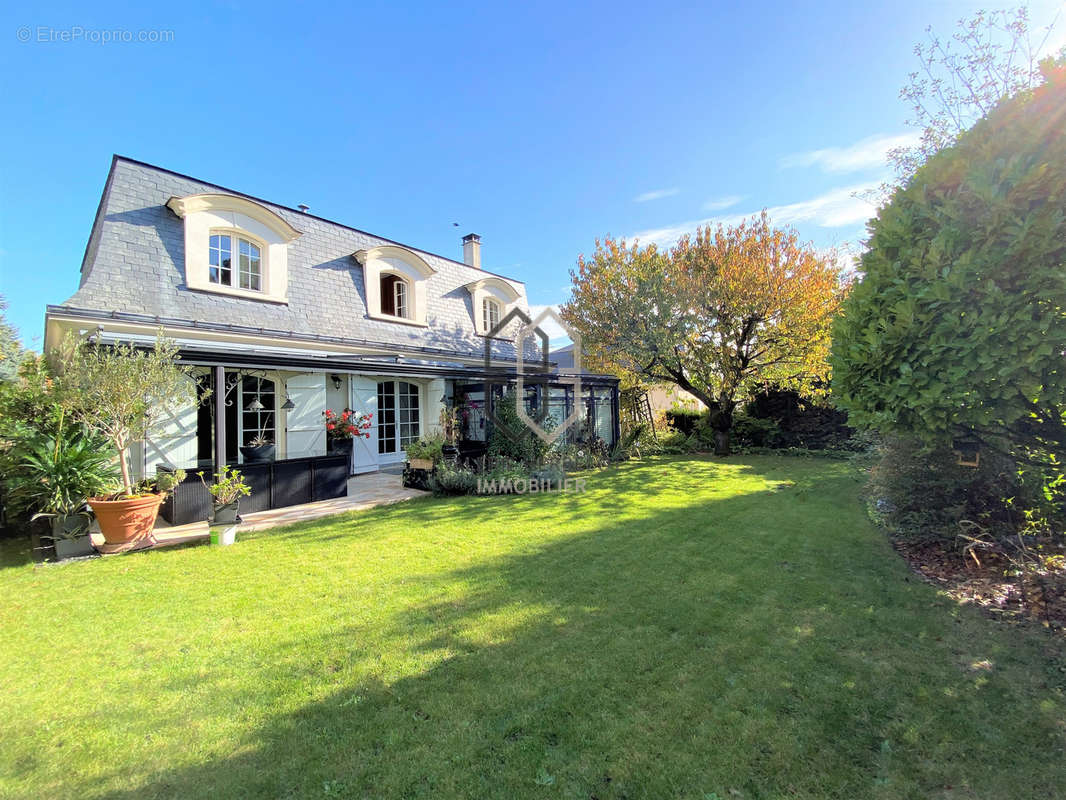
(377,263)
(491,288)
(205,214)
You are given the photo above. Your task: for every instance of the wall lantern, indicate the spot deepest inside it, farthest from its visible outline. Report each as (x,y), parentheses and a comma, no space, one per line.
(336,381)
(288,405)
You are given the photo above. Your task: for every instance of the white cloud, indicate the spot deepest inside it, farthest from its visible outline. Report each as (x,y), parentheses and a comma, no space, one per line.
(837,208)
(722,202)
(869,153)
(557,334)
(655,194)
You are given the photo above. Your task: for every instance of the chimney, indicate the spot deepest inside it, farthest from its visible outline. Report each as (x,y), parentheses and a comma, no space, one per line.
(472,250)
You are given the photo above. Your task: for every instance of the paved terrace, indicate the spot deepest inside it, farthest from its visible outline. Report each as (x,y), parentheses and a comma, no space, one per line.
(364,491)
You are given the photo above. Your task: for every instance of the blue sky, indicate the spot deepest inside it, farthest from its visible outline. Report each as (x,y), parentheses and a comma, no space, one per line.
(539,126)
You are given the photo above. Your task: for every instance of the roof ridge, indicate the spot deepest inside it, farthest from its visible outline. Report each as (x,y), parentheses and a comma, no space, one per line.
(117,157)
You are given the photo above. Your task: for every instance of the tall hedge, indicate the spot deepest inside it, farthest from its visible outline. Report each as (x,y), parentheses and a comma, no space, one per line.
(959,323)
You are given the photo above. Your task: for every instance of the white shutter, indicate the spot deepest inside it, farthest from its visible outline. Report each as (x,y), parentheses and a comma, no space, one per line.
(305,428)
(364,400)
(173,441)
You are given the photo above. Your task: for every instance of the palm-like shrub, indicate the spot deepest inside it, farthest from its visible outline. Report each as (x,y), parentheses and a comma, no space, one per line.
(54,475)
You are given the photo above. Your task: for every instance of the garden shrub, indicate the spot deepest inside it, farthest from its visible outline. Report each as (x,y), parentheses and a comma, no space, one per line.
(511,437)
(453,479)
(684,420)
(923,492)
(755,432)
(957,326)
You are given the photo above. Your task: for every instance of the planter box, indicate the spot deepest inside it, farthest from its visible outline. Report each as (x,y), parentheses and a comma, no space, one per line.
(74,548)
(421,463)
(274,484)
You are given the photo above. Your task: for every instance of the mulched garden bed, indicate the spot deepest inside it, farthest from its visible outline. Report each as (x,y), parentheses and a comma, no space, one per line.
(1038,595)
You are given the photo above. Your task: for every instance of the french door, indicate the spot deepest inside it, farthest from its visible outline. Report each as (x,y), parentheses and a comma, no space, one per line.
(399,421)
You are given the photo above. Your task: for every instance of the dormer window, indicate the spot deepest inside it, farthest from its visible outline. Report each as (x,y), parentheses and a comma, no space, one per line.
(395,297)
(396,281)
(249,272)
(490,313)
(491,298)
(235,246)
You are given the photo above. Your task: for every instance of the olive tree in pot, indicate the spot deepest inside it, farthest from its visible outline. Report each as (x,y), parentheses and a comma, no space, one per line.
(123,393)
(226,492)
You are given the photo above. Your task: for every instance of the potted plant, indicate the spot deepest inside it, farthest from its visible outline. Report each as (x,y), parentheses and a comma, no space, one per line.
(226,492)
(343,428)
(258,450)
(123,393)
(55,475)
(426,452)
(450,425)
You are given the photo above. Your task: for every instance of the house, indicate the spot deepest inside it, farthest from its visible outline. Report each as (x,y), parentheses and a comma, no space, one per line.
(283,314)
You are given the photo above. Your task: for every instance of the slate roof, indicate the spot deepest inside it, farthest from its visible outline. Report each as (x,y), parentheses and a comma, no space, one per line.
(134,264)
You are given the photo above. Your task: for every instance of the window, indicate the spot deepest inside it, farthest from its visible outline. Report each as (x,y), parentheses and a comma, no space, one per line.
(490,314)
(257,409)
(394,297)
(235,246)
(398,416)
(249,265)
(490,300)
(220,262)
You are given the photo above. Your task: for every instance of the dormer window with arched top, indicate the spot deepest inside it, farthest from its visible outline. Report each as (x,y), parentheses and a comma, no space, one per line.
(491,299)
(395,279)
(235,246)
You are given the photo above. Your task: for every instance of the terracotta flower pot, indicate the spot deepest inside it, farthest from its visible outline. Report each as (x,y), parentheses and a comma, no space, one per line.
(123,521)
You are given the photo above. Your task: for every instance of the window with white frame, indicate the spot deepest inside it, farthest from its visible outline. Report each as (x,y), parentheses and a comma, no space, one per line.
(395,297)
(490,314)
(249,270)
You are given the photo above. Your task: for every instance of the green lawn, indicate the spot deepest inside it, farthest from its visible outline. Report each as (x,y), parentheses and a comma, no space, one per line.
(689,628)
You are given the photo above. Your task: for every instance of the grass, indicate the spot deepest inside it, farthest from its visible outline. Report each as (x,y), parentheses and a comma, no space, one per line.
(688,628)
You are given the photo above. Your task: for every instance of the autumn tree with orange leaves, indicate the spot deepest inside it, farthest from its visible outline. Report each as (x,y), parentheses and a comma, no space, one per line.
(724,313)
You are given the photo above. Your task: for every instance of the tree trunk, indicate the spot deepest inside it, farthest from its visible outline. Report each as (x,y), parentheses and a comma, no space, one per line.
(123,463)
(722,425)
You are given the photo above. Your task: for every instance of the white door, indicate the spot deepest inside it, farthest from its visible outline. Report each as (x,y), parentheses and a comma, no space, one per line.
(173,441)
(305,428)
(364,399)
